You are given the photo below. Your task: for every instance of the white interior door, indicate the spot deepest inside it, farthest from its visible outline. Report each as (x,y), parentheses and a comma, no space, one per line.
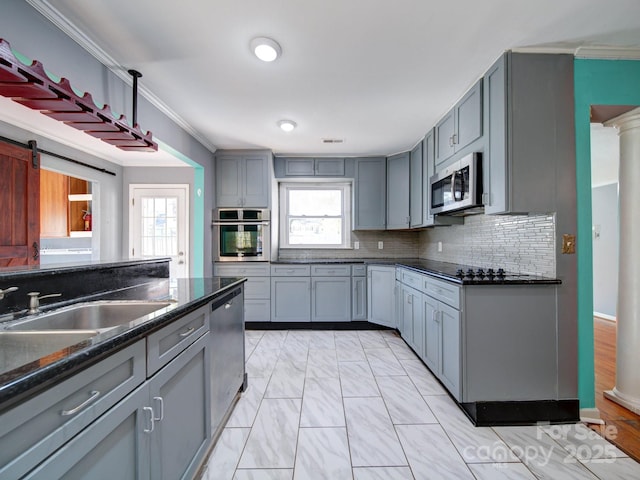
(159,224)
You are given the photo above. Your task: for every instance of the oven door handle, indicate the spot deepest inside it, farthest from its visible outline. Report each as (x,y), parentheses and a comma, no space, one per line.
(233,222)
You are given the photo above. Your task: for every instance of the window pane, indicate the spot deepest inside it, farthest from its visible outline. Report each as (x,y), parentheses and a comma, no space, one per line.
(315,231)
(315,202)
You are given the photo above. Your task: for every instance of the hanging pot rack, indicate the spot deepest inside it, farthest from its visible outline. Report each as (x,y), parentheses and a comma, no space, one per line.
(30,86)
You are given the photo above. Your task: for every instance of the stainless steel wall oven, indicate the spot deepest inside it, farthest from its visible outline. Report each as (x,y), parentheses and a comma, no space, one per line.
(241,235)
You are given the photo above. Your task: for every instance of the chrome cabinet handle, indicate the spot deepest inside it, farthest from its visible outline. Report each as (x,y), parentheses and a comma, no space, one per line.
(451,141)
(160,400)
(94,396)
(438,316)
(151,419)
(188,332)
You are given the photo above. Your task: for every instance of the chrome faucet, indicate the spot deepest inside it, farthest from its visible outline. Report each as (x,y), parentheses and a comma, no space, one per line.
(34,300)
(7,291)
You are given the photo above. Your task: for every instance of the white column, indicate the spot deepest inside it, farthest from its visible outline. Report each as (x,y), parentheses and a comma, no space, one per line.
(627,389)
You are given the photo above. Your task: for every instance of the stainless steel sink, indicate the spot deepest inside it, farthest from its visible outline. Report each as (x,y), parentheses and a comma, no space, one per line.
(20,348)
(88,316)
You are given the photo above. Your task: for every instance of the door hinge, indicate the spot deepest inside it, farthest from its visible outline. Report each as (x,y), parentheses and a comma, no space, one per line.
(133,202)
(133,252)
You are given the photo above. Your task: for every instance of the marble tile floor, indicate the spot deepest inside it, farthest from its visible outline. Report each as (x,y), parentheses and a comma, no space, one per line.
(359,405)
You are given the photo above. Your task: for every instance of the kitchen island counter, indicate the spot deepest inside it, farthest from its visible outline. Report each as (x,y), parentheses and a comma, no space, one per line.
(36,374)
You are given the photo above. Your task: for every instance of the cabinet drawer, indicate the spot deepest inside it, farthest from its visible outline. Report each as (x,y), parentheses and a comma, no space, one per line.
(167,343)
(257,310)
(359,270)
(243,270)
(257,287)
(33,430)
(331,270)
(442,291)
(413,279)
(290,270)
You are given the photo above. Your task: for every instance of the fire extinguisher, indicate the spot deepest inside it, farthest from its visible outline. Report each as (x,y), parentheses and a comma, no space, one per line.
(86,216)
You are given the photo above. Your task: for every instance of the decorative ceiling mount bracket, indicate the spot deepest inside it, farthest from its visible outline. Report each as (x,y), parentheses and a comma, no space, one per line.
(30,86)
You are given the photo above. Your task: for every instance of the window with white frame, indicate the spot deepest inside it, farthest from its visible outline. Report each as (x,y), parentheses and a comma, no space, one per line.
(315,215)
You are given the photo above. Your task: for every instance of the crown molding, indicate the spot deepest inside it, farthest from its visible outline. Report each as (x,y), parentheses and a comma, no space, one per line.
(608,53)
(45,8)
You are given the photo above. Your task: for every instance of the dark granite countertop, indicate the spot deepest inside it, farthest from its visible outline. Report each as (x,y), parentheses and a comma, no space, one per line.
(444,270)
(184,295)
(9,273)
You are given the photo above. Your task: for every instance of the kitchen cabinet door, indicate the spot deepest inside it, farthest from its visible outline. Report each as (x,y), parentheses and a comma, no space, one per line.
(398,168)
(381,301)
(242,180)
(359,298)
(445,130)
(180,395)
(114,446)
(329,167)
(416,201)
(412,317)
(303,167)
(530,131)
(369,194)
(228,181)
(450,358)
(432,333)
(255,180)
(330,299)
(290,299)
(460,127)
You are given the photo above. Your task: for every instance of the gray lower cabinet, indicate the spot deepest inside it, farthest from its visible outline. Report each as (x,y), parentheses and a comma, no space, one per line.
(359,297)
(442,337)
(431,325)
(381,297)
(257,288)
(115,446)
(36,428)
(330,299)
(398,168)
(412,318)
(290,299)
(530,131)
(369,194)
(160,431)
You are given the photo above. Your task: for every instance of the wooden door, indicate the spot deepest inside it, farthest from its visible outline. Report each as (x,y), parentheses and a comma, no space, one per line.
(19,207)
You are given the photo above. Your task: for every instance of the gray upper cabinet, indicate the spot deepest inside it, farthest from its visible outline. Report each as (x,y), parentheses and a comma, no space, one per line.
(309,167)
(428,169)
(242,179)
(416,202)
(398,168)
(461,127)
(530,131)
(369,194)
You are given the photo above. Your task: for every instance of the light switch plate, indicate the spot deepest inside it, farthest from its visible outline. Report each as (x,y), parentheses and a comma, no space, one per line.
(356,245)
(380,245)
(568,244)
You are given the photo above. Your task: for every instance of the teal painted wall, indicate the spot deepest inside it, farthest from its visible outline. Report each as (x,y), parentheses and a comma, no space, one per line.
(597,82)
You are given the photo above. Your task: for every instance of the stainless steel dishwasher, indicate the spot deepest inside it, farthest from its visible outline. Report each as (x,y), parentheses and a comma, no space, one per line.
(227,355)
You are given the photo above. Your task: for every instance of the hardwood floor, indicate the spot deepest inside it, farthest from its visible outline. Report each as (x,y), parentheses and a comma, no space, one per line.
(626,434)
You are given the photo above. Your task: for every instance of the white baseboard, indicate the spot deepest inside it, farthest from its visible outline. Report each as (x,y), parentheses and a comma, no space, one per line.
(604,316)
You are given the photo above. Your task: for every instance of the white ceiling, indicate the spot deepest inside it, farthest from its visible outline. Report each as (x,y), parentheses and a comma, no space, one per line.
(376,73)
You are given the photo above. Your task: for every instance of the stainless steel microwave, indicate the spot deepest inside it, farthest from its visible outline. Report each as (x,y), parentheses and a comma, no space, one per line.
(241,235)
(457,189)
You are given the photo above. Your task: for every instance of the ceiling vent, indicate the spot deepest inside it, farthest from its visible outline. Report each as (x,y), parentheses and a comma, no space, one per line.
(333,140)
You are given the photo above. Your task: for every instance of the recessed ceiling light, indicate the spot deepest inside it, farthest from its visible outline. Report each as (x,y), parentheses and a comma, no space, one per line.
(287,125)
(266,49)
